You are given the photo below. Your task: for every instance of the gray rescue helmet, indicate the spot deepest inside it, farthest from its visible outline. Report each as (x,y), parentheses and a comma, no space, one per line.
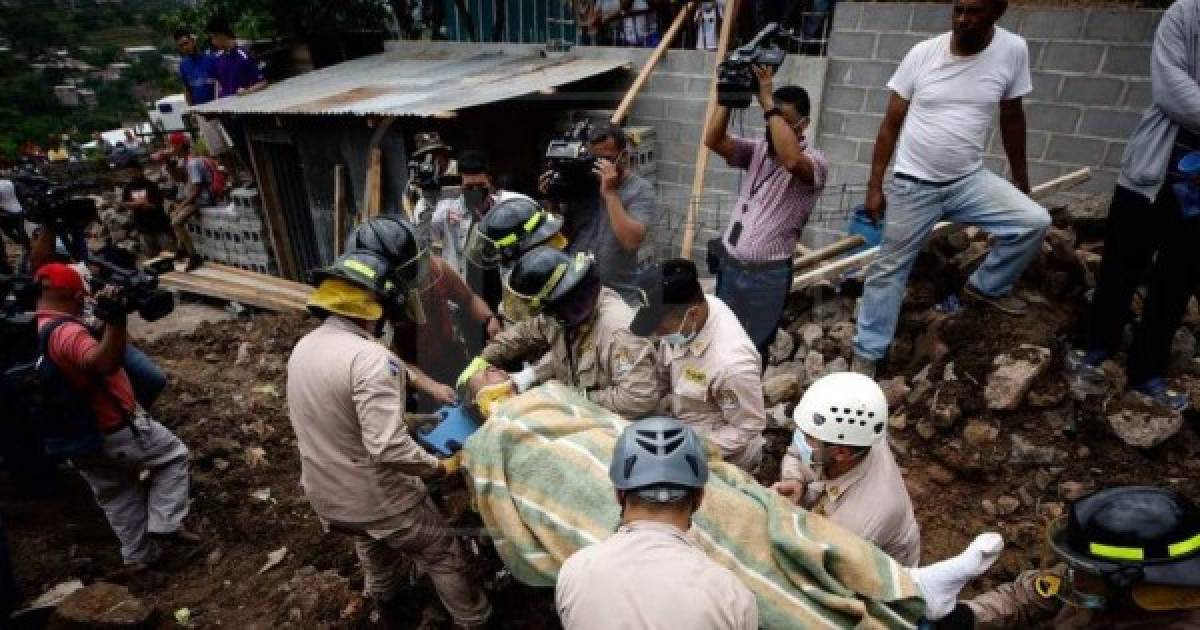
(659,458)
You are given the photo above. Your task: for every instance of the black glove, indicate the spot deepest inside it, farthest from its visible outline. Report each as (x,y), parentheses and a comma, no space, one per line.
(110,310)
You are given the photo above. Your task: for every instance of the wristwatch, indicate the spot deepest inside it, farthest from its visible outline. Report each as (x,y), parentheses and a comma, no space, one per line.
(774,111)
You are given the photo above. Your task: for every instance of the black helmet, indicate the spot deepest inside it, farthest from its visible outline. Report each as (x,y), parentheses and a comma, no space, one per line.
(395,239)
(543,277)
(660,458)
(1131,535)
(364,268)
(511,228)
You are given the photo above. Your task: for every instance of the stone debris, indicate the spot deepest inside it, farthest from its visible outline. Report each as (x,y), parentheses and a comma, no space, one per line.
(782,348)
(1026,453)
(979,434)
(1143,429)
(103,605)
(1014,375)
(781,388)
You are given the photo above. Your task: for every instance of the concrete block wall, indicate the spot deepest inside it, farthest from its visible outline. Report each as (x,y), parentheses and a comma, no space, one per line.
(1091,77)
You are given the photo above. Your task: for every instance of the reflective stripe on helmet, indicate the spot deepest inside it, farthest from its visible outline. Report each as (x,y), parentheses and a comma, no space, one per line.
(1185,547)
(1116,553)
(535,302)
(533,221)
(360,268)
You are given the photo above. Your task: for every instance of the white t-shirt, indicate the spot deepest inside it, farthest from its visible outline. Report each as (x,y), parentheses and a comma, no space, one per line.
(952,101)
(9,203)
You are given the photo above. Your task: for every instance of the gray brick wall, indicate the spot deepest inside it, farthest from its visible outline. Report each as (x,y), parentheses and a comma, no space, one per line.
(1091,70)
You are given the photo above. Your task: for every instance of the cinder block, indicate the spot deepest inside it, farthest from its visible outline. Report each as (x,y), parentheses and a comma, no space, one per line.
(1126,59)
(832,124)
(1076,150)
(866,151)
(686,110)
(668,171)
(871,73)
(1047,117)
(1071,56)
(862,126)
(930,18)
(837,72)
(1035,144)
(667,83)
(1116,124)
(885,17)
(844,98)
(1104,91)
(1035,49)
(846,16)
(852,45)
(1044,171)
(997,164)
(1112,159)
(1012,19)
(1045,86)
(877,100)
(1053,23)
(1101,182)
(893,46)
(855,174)
(1120,25)
(1138,94)
(840,149)
(650,105)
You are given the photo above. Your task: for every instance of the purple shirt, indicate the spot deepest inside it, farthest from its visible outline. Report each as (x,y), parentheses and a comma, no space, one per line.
(235,69)
(773,205)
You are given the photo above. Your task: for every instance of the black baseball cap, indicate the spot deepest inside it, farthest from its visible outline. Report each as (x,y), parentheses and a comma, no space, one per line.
(664,286)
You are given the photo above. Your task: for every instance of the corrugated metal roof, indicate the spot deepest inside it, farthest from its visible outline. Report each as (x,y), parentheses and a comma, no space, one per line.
(408,83)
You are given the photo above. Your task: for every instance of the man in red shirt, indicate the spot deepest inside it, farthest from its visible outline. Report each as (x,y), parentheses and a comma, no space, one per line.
(142,517)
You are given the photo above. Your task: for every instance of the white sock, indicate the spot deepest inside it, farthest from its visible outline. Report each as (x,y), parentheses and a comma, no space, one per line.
(941,582)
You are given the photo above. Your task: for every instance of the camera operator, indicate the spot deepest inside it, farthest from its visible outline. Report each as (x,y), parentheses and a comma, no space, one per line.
(784,178)
(612,222)
(12,222)
(142,516)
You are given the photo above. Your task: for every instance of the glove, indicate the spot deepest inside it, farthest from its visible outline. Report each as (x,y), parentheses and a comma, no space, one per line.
(452,464)
(525,379)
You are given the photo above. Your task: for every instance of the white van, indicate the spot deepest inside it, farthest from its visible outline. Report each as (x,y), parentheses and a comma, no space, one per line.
(167,113)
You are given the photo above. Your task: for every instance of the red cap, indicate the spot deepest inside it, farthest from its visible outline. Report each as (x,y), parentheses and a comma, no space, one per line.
(177,139)
(59,276)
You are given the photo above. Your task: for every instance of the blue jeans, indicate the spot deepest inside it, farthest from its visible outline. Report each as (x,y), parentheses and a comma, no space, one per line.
(1016,222)
(756,297)
(147,378)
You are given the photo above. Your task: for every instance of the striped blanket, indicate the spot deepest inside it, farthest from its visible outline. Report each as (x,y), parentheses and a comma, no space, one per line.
(539,471)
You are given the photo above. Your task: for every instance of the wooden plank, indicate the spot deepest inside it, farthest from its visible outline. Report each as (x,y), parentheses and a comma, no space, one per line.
(273,212)
(252,280)
(863,258)
(339,208)
(685,12)
(207,287)
(829,251)
(689,229)
(374,190)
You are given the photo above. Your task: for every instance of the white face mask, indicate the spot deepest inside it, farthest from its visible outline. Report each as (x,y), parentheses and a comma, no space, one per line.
(677,339)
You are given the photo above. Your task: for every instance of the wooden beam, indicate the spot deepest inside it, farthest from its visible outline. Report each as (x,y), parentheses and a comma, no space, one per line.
(689,229)
(863,258)
(685,12)
(829,251)
(209,287)
(257,281)
(374,182)
(339,208)
(273,214)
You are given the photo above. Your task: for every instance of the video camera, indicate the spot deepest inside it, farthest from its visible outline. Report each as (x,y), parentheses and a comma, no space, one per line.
(736,83)
(18,325)
(571,164)
(56,205)
(137,288)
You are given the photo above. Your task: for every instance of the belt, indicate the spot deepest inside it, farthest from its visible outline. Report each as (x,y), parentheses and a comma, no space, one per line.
(925,182)
(756,266)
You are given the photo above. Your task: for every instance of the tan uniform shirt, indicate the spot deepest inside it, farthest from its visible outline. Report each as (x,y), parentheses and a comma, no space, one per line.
(716,386)
(1017,605)
(649,576)
(358,465)
(612,367)
(870,500)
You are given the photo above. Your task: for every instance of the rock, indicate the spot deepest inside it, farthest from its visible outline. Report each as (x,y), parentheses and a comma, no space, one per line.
(1072,490)
(940,474)
(56,595)
(782,348)
(926,429)
(920,386)
(1043,478)
(1014,375)
(839,364)
(243,353)
(946,413)
(1025,496)
(814,367)
(1007,505)
(898,421)
(273,559)
(843,334)
(811,333)
(1023,452)
(1083,452)
(103,605)
(989,507)
(1046,398)
(895,390)
(1051,510)
(980,434)
(778,417)
(1144,430)
(1183,350)
(948,375)
(781,388)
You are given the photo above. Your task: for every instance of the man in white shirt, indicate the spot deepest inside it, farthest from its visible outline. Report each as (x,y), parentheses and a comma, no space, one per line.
(453,218)
(943,98)
(12,221)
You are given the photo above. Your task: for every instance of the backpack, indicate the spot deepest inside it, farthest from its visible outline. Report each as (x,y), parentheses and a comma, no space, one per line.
(41,394)
(216,183)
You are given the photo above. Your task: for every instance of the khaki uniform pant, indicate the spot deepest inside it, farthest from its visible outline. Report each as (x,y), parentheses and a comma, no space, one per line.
(428,541)
(179,216)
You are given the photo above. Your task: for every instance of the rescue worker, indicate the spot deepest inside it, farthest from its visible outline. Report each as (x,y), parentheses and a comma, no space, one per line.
(360,469)
(649,574)
(1131,559)
(509,230)
(578,332)
(708,361)
(841,466)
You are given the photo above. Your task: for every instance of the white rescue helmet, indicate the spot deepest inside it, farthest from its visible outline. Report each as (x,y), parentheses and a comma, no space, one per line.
(844,408)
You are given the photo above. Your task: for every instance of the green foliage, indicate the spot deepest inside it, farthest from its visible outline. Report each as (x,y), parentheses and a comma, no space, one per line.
(286,19)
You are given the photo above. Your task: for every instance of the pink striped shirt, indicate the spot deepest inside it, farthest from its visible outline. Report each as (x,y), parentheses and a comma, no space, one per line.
(773,205)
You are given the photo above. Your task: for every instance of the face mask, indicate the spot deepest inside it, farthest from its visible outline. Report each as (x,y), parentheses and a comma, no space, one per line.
(802,446)
(474,198)
(677,339)
(490,396)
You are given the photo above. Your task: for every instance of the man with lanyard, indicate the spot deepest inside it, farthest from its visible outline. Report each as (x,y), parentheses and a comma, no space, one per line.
(784,177)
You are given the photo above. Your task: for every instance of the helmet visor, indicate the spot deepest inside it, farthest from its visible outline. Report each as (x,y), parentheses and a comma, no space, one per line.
(518,307)
(482,251)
